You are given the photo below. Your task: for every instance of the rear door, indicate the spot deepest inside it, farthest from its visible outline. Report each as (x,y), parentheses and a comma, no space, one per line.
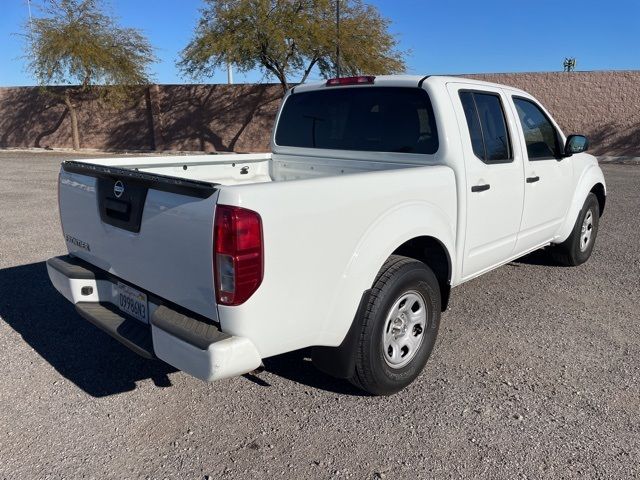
(548,176)
(494,176)
(152,231)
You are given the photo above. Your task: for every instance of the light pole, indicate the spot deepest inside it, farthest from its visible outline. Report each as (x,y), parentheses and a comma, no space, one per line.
(32,46)
(30,18)
(338,38)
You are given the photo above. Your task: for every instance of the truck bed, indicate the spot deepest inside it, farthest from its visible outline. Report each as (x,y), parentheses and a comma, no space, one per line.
(158,235)
(238,169)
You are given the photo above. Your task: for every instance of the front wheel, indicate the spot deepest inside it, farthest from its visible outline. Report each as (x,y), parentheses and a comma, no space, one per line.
(398,327)
(577,249)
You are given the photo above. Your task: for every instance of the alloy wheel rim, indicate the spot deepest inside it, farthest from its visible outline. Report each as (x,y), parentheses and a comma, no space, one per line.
(404,329)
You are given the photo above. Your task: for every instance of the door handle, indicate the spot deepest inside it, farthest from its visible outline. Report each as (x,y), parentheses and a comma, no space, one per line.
(480,188)
(533,179)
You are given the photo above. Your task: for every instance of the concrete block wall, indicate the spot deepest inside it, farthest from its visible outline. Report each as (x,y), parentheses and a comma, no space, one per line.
(603,105)
(162,117)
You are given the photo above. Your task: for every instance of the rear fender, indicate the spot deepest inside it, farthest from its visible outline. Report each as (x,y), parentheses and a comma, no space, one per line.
(397,226)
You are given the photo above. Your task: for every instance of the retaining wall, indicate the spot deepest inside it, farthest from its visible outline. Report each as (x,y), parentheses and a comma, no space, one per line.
(603,105)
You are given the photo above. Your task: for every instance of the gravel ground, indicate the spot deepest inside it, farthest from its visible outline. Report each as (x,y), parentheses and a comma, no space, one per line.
(536,373)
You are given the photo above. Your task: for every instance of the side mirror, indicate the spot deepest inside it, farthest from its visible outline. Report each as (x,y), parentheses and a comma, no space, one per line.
(576,144)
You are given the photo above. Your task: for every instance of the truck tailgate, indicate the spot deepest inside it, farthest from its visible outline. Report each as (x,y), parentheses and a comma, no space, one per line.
(153,231)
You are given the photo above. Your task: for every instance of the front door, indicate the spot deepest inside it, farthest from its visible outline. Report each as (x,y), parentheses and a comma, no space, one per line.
(548,176)
(494,177)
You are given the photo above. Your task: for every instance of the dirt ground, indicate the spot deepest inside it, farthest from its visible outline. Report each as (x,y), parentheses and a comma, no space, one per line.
(536,374)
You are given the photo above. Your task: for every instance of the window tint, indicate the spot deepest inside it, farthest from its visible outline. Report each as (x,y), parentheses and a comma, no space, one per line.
(487,126)
(380,119)
(540,135)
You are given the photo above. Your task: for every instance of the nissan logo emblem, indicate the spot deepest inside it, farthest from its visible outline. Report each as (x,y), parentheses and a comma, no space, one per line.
(118,189)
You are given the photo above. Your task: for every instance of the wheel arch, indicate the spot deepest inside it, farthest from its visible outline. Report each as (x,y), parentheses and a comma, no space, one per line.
(599,191)
(432,252)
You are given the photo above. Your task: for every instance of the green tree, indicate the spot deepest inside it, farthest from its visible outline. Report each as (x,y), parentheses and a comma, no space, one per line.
(74,42)
(288,37)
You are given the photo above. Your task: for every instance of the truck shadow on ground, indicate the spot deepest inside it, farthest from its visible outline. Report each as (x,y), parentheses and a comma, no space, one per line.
(95,362)
(297,367)
(540,257)
(80,352)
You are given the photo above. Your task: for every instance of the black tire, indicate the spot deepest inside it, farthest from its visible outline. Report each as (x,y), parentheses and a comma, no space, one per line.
(398,277)
(573,251)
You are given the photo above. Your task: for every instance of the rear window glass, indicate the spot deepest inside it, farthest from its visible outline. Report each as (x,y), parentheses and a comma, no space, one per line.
(380,119)
(473,122)
(487,126)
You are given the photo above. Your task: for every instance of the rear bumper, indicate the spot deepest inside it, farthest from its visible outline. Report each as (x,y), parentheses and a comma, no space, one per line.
(182,339)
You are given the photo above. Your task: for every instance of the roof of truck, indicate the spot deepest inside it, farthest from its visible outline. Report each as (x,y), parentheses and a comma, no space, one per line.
(410,81)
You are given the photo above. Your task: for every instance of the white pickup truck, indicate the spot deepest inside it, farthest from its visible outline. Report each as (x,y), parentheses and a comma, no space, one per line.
(380,194)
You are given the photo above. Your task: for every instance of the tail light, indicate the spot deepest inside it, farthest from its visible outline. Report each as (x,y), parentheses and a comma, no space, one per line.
(361,80)
(238,254)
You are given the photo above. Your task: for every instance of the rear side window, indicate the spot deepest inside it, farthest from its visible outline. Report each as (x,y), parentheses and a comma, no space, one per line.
(540,135)
(372,119)
(473,122)
(487,126)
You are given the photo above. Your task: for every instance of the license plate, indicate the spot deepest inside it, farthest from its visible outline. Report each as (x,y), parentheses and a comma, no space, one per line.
(133,302)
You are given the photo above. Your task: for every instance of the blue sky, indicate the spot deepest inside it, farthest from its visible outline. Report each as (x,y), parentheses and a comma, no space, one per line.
(444,36)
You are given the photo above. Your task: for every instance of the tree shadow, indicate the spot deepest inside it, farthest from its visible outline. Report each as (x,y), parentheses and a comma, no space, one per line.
(124,124)
(217,117)
(83,354)
(32,118)
(129,135)
(616,139)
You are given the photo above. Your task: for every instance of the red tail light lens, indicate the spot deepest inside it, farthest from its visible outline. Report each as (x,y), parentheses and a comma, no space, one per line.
(238,254)
(361,80)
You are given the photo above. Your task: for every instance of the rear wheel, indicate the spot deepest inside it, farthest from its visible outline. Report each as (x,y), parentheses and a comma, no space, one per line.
(398,327)
(577,249)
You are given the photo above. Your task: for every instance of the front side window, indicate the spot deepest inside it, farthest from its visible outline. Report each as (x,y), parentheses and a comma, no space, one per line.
(540,135)
(373,119)
(487,126)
